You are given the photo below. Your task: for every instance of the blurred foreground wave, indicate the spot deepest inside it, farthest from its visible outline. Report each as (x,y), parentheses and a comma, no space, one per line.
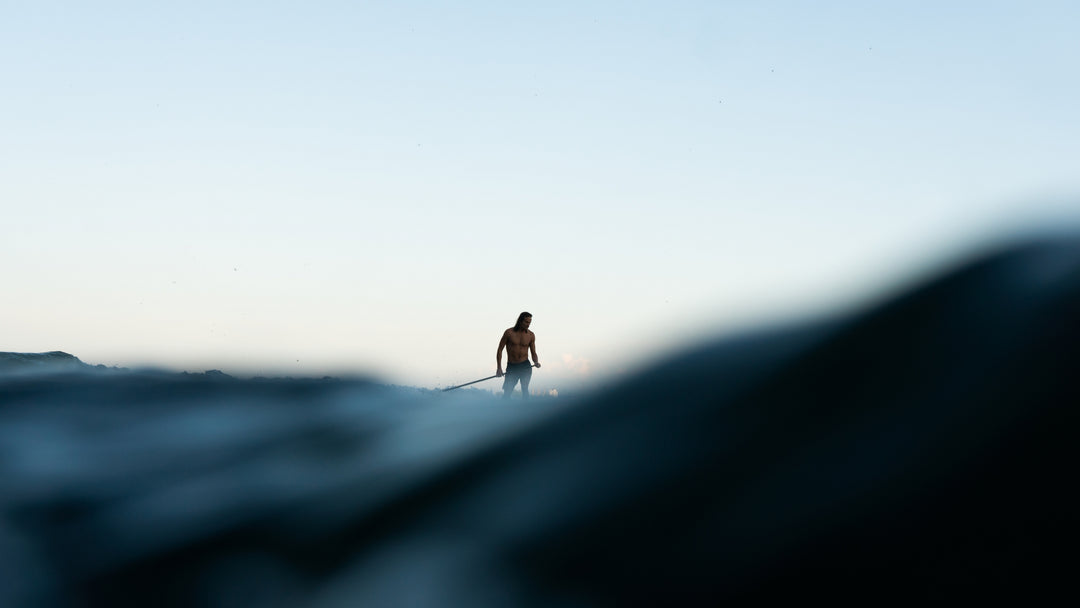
(923,448)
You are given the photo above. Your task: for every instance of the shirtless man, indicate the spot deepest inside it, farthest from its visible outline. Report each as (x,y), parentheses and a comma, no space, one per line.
(518,341)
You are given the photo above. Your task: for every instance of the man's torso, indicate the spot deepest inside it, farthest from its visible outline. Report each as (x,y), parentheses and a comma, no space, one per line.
(517,345)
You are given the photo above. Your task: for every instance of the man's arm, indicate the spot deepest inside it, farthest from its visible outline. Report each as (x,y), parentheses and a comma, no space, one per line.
(498,355)
(532,346)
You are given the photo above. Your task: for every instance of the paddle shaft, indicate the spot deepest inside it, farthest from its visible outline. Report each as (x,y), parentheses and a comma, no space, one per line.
(474,381)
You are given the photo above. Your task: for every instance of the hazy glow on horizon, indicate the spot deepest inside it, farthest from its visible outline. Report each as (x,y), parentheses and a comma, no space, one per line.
(318,187)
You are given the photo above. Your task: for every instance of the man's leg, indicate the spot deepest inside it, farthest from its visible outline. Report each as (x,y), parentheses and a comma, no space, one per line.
(525,377)
(509,380)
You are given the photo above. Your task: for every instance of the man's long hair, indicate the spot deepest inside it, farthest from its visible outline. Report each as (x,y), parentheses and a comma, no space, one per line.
(520,325)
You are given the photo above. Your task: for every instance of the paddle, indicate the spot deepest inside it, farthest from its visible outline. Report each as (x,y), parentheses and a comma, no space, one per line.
(474,381)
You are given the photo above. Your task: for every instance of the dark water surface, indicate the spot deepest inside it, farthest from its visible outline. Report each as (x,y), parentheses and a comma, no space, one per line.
(923,448)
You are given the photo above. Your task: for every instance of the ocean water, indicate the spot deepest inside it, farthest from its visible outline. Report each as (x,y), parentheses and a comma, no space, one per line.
(922,448)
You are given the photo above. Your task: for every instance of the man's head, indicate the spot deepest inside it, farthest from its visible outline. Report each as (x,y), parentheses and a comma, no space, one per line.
(524,319)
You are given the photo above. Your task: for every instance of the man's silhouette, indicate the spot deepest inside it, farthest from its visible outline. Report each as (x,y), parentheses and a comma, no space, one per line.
(518,341)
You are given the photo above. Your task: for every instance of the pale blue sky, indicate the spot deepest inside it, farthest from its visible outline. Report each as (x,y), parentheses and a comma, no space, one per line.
(310,187)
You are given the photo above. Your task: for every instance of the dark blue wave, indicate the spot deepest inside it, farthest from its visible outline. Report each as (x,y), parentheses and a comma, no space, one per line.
(922,449)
